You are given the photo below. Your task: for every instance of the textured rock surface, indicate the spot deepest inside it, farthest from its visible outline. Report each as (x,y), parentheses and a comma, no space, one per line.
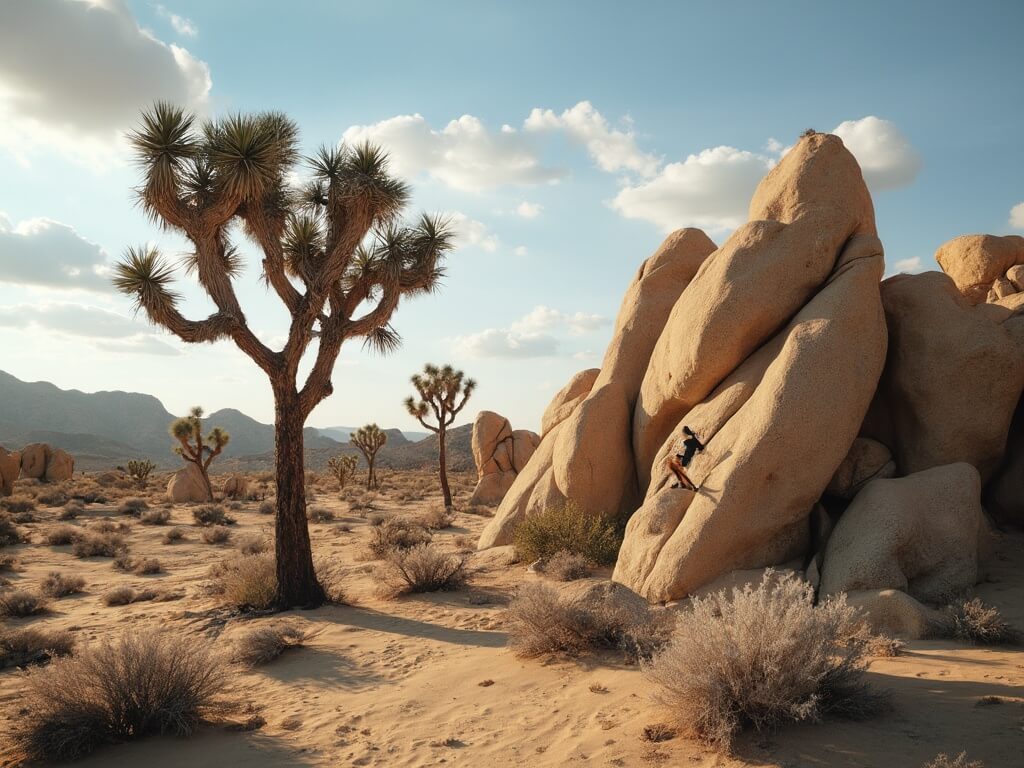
(1004,496)
(919,534)
(500,454)
(897,614)
(567,398)
(10,469)
(33,460)
(60,466)
(187,485)
(236,487)
(978,262)
(867,460)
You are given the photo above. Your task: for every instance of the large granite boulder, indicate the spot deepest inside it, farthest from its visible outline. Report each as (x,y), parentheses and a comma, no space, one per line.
(500,453)
(984,267)
(60,466)
(10,469)
(187,485)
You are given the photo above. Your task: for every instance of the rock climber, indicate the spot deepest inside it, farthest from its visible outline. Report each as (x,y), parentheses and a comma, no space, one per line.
(679,462)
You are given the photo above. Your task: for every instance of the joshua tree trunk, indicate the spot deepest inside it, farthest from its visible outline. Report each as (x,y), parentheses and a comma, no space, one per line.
(371,478)
(296,580)
(442,457)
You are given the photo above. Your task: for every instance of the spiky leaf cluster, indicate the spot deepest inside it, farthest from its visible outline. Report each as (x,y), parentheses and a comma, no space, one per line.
(369,439)
(192,446)
(443,392)
(343,468)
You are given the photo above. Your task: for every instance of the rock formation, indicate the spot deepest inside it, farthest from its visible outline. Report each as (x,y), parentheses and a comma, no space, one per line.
(10,468)
(60,466)
(236,487)
(40,462)
(851,426)
(500,453)
(187,484)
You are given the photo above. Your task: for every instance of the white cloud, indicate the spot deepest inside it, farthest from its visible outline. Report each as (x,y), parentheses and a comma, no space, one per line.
(42,252)
(885,155)
(529,210)
(182,25)
(611,149)
(533,335)
(106,330)
(910,266)
(463,155)
(470,232)
(521,250)
(710,190)
(73,76)
(1017,216)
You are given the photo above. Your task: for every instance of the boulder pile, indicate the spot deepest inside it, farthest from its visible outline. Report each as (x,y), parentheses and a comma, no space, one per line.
(188,484)
(500,454)
(853,427)
(36,461)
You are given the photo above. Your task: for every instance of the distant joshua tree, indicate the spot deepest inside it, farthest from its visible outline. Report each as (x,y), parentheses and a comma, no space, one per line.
(139,469)
(343,468)
(369,439)
(334,253)
(443,393)
(194,448)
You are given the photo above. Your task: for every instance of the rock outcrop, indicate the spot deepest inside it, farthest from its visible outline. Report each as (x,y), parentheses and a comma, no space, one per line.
(236,487)
(1004,496)
(567,398)
(867,460)
(40,462)
(500,453)
(984,267)
(187,484)
(919,534)
(60,466)
(10,469)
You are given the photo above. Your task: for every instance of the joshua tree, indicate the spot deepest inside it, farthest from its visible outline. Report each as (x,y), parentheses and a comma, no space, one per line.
(343,468)
(139,470)
(443,393)
(369,440)
(194,448)
(333,252)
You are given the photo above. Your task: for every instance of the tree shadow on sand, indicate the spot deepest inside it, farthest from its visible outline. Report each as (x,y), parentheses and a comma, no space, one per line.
(367,618)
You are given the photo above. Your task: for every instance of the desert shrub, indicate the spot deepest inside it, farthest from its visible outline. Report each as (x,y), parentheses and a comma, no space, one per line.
(566,527)
(378,518)
(211,514)
(9,533)
(396,533)
(133,507)
(479,510)
(155,517)
(143,684)
(267,508)
(93,497)
(541,622)
(127,595)
(56,584)
(319,515)
(246,581)
(18,504)
(264,644)
(139,469)
(20,647)
(62,535)
(762,656)
(20,602)
(943,760)
(91,544)
(140,566)
(977,622)
(437,518)
(8,563)
(173,536)
(216,534)
(71,510)
(567,566)
(52,498)
(883,646)
(234,506)
(25,517)
(422,568)
(253,545)
(109,526)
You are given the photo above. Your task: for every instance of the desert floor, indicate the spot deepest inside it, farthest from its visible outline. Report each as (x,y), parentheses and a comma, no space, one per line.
(403,682)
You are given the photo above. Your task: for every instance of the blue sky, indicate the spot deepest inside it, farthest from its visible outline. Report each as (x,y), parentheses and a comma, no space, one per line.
(623,121)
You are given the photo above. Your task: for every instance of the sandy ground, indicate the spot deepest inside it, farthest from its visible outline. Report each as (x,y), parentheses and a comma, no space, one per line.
(427,680)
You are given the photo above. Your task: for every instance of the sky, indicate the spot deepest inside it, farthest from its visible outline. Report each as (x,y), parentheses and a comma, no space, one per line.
(564,140)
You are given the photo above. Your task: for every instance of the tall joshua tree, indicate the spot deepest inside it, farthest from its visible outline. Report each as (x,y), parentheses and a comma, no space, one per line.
(369,439)
(443,393)
(194,448)
(333,251)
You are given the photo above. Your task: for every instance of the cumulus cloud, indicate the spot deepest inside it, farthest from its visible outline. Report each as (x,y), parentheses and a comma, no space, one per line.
(521,250)
(533,335)
(106,330)
(909,266)
(464,155)
(613,150)
(74,73)
(710,190)
(42,252)
(529,210)
(885,155)
(182,25)
(1017,216)
(470,232)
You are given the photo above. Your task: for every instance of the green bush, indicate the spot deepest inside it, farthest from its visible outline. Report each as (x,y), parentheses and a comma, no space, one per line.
(567,528)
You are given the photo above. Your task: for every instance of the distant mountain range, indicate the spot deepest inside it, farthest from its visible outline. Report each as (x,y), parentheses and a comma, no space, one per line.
(105,429)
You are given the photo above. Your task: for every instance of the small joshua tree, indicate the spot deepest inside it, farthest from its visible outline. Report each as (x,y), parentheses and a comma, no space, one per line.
(369,440)
(333,251)
(194,448)
(443,393)
(139,469)
(343,468)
